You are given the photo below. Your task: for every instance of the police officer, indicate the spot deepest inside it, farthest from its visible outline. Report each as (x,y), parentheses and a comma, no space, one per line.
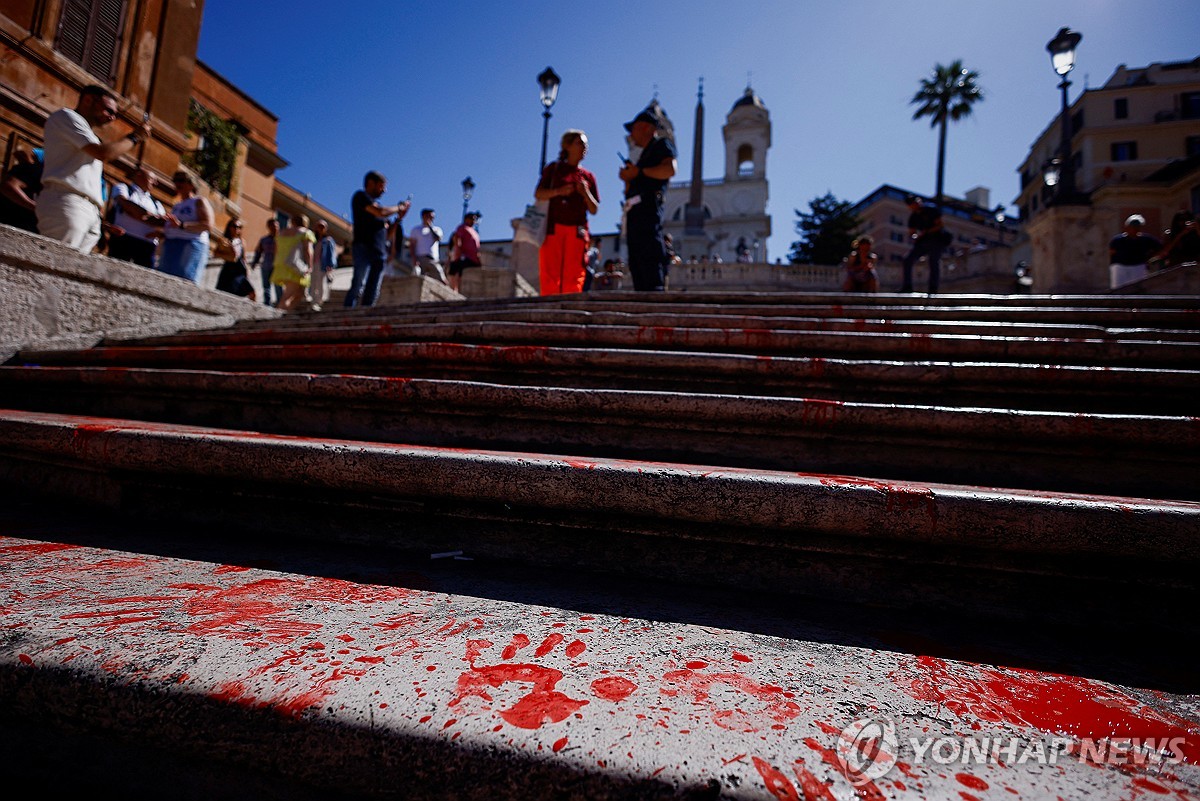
(645,183)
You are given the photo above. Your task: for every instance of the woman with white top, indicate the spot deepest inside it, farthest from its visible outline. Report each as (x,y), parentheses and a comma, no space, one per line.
(185,247)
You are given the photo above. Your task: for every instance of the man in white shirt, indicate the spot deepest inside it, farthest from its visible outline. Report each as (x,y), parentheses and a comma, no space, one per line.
(423,244)
(138,218)
(71,203)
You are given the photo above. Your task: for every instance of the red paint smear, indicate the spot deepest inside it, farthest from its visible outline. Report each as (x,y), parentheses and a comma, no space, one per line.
(370,660)
(543,704)
(34,550)
(776,708)
(575,649)
(613,688)
(741,657)
(820,412)
(230,569)
(549,643)
(259,610)
(1153,787)
(968,797)
(519,641)
(475,648)
(26,659)
(813,788)
(696,665)
(1049,702)
(777,784)
(974,782)
(559,744)
(864,787)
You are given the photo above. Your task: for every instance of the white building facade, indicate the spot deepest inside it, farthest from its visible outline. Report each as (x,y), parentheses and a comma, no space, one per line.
(735,224)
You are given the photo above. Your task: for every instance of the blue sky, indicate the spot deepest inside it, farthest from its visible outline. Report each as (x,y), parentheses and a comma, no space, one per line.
(431,93)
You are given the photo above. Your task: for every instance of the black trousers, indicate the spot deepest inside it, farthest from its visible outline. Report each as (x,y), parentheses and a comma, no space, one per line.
(647,255)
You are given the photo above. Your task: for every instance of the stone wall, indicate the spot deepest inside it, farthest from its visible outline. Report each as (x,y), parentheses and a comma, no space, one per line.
(53,297)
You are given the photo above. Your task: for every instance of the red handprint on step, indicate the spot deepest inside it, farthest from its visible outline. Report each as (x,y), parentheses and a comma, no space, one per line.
(542,703)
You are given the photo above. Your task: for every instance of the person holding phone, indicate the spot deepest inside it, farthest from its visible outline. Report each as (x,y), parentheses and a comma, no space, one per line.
(573,194)
(370,245)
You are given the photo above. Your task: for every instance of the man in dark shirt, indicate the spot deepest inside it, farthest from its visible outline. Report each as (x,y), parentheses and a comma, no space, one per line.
(370,245)
(645,183)
(19,191)
(929,239)
(264,257)
(1129,252)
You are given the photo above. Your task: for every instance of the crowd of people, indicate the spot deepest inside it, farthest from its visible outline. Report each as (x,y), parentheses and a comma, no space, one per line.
(58,190)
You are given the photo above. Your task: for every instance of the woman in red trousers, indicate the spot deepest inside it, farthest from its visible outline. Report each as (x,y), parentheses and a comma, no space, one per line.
(572,193)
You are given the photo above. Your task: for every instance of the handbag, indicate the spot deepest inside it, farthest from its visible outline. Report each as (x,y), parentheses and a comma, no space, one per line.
(296,259)
(532,228)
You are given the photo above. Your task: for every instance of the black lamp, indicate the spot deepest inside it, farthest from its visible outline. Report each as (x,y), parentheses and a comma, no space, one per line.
(548,83)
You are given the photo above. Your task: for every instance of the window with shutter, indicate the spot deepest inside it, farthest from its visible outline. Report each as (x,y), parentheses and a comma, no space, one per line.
(89,33)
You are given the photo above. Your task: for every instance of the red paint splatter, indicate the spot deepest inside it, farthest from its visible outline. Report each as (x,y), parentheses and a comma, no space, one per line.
(221,569)
(519,641)
(26,659)
(696,665)
(1049,702)
(1153,787)
(543,704)
(559,744)
(864,787)
(549,643)
(813,788)
(613,688)
(741,657)
(974,782)
(774,707)
(777,784)
(575,649)
(33,550)
(819,413)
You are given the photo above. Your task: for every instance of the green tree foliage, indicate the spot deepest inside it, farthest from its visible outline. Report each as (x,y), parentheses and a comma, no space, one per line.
(946,96)
(214,161)
(828,229)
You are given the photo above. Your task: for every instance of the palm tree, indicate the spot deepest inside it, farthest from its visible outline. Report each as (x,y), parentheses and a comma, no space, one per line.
(945,97)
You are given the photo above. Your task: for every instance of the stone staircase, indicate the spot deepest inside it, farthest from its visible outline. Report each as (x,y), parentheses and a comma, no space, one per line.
(613,545)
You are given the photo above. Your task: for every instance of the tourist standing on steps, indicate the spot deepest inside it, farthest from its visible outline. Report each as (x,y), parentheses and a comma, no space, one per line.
(929,239)
(370,245)
(71,205)
(20,189)
(464,249)
(326,263)
(235,275)
(295,257)
(185,251)
(572,194)
(264,259)
(138,219)
(645,183)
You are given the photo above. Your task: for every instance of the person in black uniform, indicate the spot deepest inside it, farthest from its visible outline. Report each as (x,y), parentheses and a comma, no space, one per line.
(645,183)
(929,239)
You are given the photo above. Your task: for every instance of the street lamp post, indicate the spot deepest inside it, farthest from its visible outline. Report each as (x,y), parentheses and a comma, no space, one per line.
(468,187)
(548,81)
(1062,58)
